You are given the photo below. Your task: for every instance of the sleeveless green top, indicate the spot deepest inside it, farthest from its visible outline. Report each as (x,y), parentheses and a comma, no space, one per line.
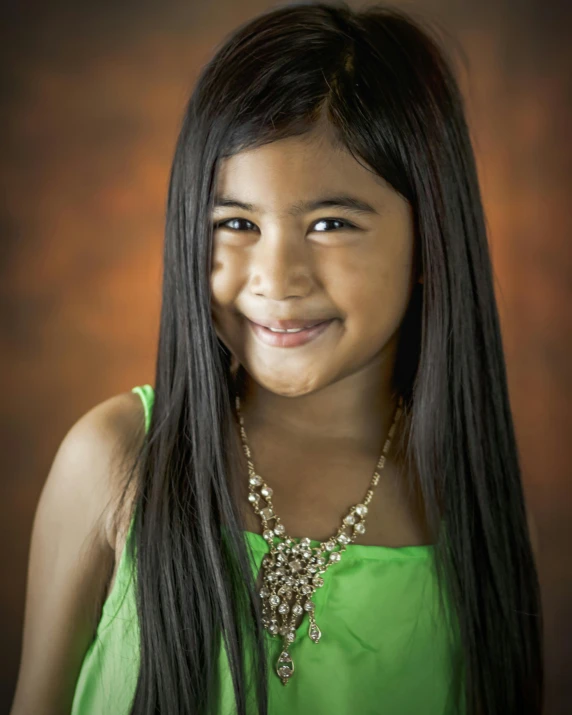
(384,648)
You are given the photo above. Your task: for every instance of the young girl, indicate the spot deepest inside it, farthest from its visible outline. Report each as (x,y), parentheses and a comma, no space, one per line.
(318,508)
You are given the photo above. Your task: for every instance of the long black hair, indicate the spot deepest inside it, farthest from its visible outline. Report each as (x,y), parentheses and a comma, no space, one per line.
(385,85)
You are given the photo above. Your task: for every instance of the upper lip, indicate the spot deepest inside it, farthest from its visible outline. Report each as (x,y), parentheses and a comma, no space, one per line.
(287,324)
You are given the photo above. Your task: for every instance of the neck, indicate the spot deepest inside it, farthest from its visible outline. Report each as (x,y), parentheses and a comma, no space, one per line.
(355,411)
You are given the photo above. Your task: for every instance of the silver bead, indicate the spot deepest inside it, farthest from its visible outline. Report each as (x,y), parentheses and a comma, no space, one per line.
(284,672)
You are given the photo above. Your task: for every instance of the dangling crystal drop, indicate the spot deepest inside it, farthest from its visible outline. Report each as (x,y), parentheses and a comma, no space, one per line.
(314,632)
(285,666)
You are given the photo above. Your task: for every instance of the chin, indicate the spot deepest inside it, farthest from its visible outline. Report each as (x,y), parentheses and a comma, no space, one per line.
(287,384)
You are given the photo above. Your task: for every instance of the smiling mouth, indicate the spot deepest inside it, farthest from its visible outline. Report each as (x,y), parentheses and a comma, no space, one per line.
(290,325)
(289,337)
(291,330)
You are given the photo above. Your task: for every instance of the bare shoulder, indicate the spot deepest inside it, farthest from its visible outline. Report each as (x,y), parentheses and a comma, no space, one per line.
(73,550)
(93,461)
(111,434)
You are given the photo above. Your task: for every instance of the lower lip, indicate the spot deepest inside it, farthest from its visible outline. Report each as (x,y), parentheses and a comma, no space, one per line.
(289,340)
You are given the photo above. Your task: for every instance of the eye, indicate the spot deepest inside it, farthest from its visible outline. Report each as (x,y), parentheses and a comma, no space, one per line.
(338,221)
(226,224)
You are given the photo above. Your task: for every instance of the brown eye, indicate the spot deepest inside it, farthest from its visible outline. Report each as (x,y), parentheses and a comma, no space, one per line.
(235,221)
(341,224)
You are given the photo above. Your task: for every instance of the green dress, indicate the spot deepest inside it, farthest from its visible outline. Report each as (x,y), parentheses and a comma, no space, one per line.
(384,649)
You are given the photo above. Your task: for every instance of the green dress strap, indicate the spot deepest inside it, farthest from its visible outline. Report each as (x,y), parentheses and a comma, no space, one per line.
(147,395)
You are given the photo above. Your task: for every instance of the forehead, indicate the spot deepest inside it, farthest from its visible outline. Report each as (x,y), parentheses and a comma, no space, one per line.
(285,171)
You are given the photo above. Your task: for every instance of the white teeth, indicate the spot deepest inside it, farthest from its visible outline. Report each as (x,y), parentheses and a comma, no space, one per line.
(291,330)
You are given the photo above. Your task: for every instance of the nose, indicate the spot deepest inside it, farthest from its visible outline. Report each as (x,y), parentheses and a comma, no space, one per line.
(282,266)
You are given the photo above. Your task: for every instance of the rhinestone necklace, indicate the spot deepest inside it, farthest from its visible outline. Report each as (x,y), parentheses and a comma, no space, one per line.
(293,569)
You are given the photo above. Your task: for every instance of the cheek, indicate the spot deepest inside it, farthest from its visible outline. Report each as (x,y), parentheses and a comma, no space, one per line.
(374,295)
(226,278)
(225,283)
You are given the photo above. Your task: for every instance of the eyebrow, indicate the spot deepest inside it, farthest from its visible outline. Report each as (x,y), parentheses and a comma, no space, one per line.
(345,201)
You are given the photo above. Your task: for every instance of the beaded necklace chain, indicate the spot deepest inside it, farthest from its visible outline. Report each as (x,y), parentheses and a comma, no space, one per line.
(293,569)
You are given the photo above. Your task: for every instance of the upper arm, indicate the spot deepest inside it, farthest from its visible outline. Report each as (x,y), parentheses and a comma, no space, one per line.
(71,554)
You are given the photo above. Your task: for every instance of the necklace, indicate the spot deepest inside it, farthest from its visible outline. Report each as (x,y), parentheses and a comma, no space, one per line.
(293,569)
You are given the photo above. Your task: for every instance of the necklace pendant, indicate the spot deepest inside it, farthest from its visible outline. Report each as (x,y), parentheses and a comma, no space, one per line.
(285,665)
(293,571)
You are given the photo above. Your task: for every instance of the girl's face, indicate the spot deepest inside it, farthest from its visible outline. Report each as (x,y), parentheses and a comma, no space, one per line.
(303,232)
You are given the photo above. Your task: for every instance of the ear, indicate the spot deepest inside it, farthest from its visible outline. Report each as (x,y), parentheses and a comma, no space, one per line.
(533,532)
(234,365)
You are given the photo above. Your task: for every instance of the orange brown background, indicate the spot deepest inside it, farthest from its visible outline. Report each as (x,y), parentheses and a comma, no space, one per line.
(92,97)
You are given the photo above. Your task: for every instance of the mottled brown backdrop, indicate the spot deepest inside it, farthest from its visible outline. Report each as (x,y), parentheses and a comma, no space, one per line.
(92,96)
